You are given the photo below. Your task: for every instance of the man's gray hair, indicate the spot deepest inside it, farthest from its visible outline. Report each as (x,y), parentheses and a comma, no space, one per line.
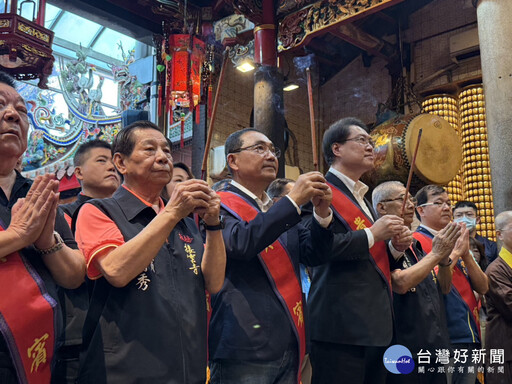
(384,191)
(502,220)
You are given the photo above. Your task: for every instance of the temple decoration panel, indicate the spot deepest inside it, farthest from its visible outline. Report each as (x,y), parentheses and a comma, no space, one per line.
(299,27)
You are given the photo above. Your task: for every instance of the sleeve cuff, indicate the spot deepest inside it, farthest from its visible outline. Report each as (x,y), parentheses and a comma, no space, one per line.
(93,271)
(371,240)
(323,221)
(294,204)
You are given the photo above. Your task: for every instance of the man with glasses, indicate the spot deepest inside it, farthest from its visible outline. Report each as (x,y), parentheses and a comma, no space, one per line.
(420,320)
(350,297)
(434,209)
(499,304)
(257,328)
(467,213)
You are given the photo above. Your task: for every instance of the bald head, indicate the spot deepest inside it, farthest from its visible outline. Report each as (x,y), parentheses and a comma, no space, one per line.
(503,220)
(503,224)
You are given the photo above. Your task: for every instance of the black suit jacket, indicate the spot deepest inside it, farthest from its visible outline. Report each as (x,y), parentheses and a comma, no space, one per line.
(248,321)
(349,302)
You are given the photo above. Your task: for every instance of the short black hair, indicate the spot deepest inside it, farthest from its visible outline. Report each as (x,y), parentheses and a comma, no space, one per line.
(234,142)
(184,167)
(83,150)
(338,132)
(7,79)
(422,194)
(123,142)
(276,188)
(464,204)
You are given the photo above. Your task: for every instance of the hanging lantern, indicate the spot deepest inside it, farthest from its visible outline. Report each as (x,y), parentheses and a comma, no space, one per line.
(184,71)
(25,45)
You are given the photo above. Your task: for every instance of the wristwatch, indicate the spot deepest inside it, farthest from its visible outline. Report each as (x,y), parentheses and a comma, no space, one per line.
(59,243)
(216,227)
(447,264)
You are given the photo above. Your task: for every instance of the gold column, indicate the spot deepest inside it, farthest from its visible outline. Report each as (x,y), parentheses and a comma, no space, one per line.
(476,169)
(446,106)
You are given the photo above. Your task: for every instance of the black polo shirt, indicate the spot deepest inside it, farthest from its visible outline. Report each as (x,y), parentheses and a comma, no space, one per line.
(153,330)
(74,302)
(19,190)
(70,210)
(420,319)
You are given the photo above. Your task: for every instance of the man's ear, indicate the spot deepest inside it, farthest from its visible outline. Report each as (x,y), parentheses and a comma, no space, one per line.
(231,160)
(78,173)
(419,210)
(336,149)
(478,220)
(118,161)
(498,235)
(381,209)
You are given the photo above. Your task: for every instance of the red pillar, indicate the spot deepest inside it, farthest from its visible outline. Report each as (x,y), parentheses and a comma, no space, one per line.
(265,51)
(41,13)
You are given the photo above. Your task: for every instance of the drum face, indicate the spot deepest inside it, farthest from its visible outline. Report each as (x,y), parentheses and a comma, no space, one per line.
(439,156)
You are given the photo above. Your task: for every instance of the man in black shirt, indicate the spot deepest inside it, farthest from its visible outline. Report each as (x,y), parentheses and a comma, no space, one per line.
(98,177)
(35,253)
(420,321)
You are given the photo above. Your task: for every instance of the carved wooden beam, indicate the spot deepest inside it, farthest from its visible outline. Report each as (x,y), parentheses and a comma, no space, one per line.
(322,17)
(371,44)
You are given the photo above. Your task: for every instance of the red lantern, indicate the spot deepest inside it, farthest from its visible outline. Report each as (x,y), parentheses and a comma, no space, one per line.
(184,71)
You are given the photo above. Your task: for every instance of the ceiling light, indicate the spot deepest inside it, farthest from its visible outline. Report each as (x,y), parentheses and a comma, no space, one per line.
(245,67)
(290,87)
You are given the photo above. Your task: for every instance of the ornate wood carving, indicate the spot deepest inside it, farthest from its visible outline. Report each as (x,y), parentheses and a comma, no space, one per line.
(318,18)
(25,49)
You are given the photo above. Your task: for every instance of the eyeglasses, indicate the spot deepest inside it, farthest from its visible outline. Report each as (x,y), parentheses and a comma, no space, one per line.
(437,204)
(459,215)
(260,149)
(401,199)
(363,140)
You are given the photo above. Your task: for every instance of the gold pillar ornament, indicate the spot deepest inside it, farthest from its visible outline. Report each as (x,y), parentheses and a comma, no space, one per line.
(476,168)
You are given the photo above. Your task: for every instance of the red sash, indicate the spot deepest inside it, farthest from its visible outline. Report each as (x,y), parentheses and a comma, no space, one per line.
(425,241)
(356,219)
(460,282)
(26,319)
(280,270)
(462,286)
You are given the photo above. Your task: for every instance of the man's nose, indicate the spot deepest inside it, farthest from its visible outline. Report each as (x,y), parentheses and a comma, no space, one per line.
(10,113)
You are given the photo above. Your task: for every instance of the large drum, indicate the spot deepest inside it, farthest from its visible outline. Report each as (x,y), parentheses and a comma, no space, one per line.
(439,156)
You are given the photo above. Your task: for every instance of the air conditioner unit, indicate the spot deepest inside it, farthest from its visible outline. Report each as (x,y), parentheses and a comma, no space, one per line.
(464,45)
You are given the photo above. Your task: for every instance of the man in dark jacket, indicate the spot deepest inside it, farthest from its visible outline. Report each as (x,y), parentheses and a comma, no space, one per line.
(350,300)
(257,329)
(98,177)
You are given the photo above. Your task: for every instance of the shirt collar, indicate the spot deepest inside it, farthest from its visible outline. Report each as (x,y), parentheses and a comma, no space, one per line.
(19,189)
(131,204)
(432,231)
(264,204)
(357,188)
(506,256)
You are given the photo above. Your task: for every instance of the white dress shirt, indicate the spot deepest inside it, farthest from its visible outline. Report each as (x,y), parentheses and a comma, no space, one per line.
(267,203)
(359,189)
